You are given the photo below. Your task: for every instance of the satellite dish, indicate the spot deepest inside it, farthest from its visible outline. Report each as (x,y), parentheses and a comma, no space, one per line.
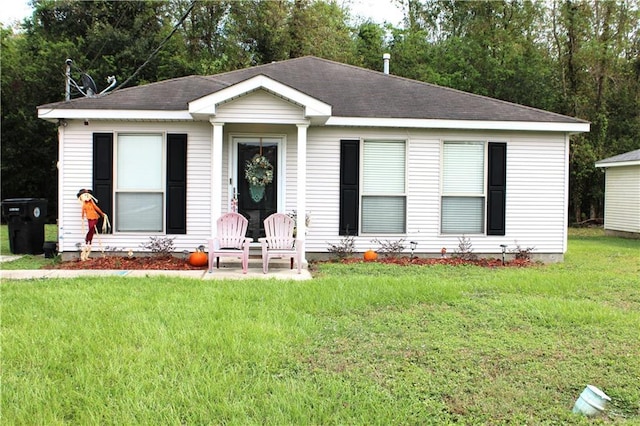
(88,88)
(89,85)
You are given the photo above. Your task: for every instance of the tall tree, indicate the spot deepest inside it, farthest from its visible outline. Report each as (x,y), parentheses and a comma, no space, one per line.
(596,49)
(103,38)
(32,74)
(370,45)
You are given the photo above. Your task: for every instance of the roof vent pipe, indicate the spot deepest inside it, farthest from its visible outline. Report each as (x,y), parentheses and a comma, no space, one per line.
(385,58)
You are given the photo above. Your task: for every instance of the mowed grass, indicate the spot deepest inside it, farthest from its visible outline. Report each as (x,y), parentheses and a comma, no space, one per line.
(366,344)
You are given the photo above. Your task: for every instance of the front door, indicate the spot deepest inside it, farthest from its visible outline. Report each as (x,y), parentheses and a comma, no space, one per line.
(257,202)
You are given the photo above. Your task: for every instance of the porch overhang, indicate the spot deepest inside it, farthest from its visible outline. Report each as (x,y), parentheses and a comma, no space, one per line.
(315,111)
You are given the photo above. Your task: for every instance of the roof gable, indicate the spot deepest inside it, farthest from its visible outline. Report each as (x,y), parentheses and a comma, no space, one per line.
(206,106)
(259,106)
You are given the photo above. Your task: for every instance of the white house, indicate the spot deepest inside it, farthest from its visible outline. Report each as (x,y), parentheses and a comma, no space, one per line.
(622,194)
(361,152)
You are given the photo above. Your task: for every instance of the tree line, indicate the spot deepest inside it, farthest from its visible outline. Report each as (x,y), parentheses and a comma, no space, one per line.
(578,58)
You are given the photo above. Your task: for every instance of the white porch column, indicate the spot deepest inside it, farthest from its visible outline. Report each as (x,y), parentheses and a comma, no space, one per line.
(62,124)
(301,201)
(216,175)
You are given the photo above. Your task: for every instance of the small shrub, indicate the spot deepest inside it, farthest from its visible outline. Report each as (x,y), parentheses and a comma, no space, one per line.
(390,248)
(464,250)
(344,248)
(522,253)
(160,246)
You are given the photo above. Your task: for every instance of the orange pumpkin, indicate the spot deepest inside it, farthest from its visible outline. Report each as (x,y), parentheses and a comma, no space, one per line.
(370,255)
(198,258)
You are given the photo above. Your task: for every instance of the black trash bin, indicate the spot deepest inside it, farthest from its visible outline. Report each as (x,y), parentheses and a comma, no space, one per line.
(25,219)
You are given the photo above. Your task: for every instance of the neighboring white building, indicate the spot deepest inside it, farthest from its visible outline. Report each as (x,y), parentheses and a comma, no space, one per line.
(361,152)
(622,194)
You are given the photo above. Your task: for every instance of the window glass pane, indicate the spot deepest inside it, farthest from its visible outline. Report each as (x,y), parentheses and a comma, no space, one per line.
(384,167)
(463,168)
(140,163)
(137,212)
(462,215)
(384,215)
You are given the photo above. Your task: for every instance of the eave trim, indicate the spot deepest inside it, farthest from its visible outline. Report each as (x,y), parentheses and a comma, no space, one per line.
(459,124)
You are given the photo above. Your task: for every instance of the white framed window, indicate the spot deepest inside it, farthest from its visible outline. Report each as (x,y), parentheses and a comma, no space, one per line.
(383,200)
(463,188)
(139,183)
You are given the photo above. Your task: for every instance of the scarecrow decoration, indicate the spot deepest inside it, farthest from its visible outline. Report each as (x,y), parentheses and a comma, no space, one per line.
(92,213)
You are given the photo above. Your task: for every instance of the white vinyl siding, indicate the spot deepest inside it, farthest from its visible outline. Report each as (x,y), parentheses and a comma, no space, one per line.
(622,199)
(536,176)
(536,189)
(260,107)
(76,156)
(383,202)
(139,183)
(463,188)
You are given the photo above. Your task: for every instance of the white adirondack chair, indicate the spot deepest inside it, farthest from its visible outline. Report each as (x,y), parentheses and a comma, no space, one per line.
(279,241)
(231,240)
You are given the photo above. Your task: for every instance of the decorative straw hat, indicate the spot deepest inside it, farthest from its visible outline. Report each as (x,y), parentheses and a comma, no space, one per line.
(84,191)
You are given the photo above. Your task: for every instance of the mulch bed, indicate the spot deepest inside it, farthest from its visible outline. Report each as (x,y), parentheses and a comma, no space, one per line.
(177,264)
(165,263)
(451,261)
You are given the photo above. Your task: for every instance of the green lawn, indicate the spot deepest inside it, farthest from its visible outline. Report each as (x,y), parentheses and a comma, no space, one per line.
(364,344)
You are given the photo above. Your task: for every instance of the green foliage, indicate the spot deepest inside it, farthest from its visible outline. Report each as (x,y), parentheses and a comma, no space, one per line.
(29,145)
(369,45)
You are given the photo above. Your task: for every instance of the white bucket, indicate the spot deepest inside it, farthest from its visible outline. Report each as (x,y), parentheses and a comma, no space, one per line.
(591,401)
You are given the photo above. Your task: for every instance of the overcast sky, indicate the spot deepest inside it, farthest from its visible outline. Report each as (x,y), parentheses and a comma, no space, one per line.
(378,10)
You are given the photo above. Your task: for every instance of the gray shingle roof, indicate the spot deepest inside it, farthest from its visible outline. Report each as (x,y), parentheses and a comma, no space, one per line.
(621,158)
(351,91)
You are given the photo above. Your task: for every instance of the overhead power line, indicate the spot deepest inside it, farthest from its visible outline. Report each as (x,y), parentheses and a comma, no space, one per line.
(175,28)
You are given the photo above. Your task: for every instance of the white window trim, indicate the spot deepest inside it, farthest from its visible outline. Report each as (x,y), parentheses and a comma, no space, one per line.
(281,140)
(362,193)
(116,189)
(485,143)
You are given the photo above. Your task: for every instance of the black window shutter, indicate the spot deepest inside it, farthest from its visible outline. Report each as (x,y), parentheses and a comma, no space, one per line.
(102,184)
(176,184)
(497,190)
(349,186)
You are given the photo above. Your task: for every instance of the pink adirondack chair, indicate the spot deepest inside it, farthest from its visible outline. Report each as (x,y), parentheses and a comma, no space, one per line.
(279,241)
(231,240)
